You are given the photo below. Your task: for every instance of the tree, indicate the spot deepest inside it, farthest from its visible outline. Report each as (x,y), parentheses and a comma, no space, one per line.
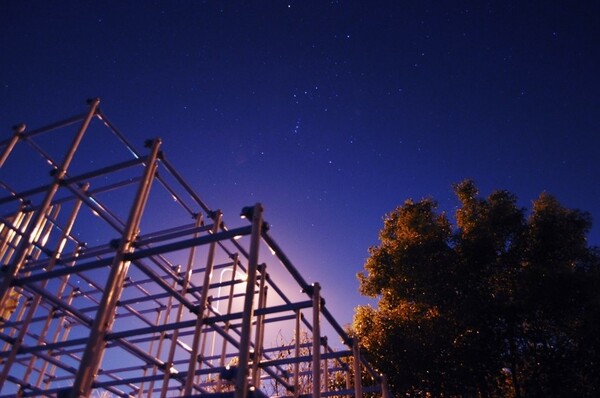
(499,304)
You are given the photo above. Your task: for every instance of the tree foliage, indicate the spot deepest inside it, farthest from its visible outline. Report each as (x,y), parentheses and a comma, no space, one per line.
(500,303)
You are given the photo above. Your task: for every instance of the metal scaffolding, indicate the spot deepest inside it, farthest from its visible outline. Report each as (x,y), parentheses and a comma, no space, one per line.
(118,280)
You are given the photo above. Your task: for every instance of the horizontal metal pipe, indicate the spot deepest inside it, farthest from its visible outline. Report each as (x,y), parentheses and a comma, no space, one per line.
(50,346)
(104,170)
(117,133)
(207,321)
(286,262)
(202,240)
(149,330)
(171,233)
(304,359)
(74,180)
(340,331)
(56,301)
(143,299)
(62,123)
(186,187)
(174,194)
(27,280)
(184,244)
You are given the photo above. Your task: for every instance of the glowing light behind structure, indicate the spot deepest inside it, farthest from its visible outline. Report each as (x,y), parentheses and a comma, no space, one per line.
(172,316)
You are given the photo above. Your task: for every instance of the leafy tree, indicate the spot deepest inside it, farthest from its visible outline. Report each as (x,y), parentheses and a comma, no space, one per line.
(499,304)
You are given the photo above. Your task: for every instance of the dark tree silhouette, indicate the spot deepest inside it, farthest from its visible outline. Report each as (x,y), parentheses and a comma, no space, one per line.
(499,304)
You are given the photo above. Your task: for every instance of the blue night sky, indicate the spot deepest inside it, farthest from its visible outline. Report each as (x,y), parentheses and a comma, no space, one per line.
(331,114)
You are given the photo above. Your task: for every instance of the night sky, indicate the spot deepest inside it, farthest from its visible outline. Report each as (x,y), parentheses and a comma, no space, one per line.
(331,114)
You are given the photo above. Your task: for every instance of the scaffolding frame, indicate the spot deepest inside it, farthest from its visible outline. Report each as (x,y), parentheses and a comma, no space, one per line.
(92,304)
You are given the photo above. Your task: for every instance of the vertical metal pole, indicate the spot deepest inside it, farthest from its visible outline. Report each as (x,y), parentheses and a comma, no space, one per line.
(348,382)
(357,370)
(66,328)
(53,260)
(140,390)
(163,335)
(316,343)
(18,130)
(262,295)
(65,335)
(189,381)
(16,237)
(325,366)
(228,323)
(8,234)
(241,383)
(179,315)
(60,173)
(94,350)
(200,355)
(297,355)
(11,240)
(40,236)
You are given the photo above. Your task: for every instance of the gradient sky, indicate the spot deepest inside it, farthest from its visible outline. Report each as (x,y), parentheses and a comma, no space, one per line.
(331,114)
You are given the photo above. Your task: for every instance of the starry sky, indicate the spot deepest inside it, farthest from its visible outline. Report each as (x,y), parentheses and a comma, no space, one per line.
(330,113)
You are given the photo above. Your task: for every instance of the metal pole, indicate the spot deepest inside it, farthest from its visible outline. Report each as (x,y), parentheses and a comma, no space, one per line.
(201,353)
(297,355)
(18,318)
(189,381)
(228,323)
(357,371)
(163,334)
(18,129)
(94,350)
(241,382)
(260,327)
(325,366)
(48,321)
(40,237)
(53,260)
(8,234)
(348,382)
(316,343)
(179,315)
(150,349)
(21,253)
(12,237)
(63,326)
(15,235)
